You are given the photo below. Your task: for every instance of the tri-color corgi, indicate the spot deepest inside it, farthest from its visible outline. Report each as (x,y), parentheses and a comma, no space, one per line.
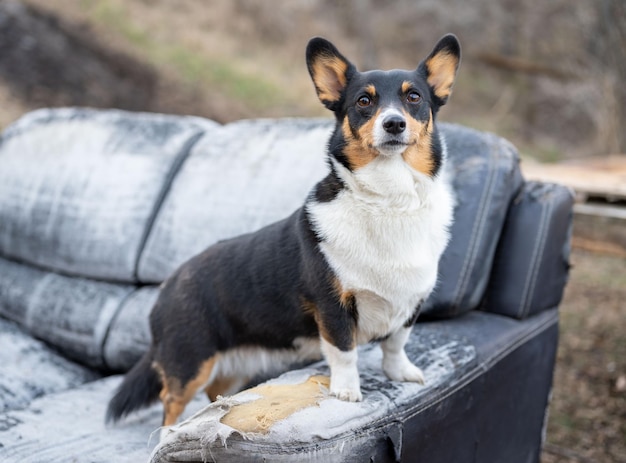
(351,266)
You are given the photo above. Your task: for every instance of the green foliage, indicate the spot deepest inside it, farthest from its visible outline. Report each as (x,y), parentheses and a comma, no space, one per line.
(192,66)
(224,74)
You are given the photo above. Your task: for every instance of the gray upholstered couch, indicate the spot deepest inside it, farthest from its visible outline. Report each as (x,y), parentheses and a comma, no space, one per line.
(98,207)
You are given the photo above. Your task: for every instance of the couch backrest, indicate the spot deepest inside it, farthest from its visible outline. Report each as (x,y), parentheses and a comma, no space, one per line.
(237,178)
(78,187)
(486,176)
(531,264)
(129,197)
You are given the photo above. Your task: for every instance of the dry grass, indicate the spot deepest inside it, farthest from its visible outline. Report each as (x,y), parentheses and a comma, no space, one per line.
(588,411)
(228,53)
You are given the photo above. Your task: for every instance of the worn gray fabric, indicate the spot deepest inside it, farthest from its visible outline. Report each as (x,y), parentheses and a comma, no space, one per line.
(69,426)
(30,369)
(73,314)
(78,187)
(99,324)
(129,331)
(238,178)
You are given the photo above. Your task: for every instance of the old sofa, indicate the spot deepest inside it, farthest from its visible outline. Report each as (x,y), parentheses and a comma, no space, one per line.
(98,207)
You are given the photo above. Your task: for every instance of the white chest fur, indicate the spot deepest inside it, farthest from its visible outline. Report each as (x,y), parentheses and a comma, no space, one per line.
(383,236)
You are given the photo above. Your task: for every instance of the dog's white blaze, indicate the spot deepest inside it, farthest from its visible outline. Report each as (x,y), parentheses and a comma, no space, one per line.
(381,135)
(383,236)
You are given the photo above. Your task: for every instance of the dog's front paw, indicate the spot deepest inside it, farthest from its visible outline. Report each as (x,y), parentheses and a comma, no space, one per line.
(403,370)
(346,394)
(346,386)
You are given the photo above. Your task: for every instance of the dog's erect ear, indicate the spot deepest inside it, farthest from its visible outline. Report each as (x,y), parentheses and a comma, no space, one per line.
(329,69)
(441,65)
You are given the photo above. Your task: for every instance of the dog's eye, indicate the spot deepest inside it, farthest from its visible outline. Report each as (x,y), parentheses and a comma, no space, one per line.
(364,101)
(413,97)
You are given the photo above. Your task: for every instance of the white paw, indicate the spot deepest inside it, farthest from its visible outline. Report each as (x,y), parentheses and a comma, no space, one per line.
(346,386)
(403,370)
(348,395)
(345,383)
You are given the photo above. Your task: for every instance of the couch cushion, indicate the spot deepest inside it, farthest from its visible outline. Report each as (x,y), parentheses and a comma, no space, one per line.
(238,178)
(79,187)
(31,369)
(532,260)
(104,325)
(73,314)
(129,331)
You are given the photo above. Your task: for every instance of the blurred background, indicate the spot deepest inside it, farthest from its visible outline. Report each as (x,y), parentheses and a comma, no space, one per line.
(548,75)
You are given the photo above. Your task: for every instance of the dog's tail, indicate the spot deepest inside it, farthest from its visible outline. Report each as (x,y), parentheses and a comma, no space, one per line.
(140,388)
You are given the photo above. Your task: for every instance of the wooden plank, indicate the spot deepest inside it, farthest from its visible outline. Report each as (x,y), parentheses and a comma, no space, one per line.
(599,247)
(599,226)
(604,177)
(603,225)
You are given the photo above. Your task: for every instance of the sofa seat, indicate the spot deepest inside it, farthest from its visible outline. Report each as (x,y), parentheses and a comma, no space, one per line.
(395,421)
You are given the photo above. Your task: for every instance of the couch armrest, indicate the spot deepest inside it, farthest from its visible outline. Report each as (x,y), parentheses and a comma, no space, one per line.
(531,264)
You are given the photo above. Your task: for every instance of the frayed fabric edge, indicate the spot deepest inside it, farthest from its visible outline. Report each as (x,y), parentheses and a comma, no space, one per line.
(208,430)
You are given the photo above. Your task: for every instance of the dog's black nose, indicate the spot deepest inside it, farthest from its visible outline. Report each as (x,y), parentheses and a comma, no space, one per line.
(394,125)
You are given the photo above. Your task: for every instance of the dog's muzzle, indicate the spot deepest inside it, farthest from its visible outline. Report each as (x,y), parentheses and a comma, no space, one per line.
(391,135)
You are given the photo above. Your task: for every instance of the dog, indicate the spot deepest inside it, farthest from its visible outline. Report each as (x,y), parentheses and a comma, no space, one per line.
(351,266)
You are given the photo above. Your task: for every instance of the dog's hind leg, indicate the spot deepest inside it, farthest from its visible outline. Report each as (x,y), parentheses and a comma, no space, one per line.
(175,395)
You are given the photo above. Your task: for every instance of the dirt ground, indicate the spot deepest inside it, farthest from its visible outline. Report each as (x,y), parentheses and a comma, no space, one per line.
(587,420)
